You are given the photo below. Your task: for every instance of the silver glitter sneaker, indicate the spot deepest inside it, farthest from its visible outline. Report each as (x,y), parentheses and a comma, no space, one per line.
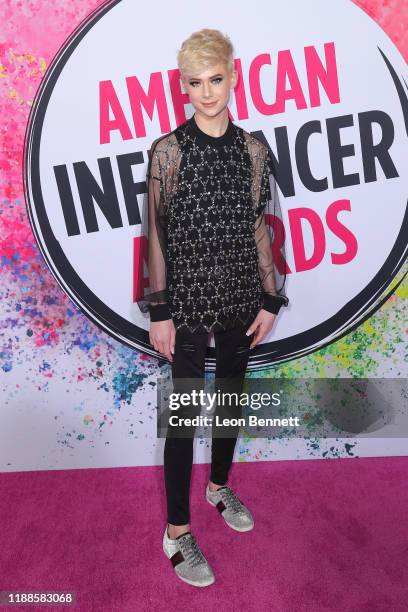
(187,559)
(235,514)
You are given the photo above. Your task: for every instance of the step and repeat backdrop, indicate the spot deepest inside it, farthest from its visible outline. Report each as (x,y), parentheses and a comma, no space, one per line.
(85,89)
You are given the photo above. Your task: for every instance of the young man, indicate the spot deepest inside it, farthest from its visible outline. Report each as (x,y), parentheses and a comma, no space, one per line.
(210,269)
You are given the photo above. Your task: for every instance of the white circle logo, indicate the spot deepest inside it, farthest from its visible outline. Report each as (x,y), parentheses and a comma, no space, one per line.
(329,97)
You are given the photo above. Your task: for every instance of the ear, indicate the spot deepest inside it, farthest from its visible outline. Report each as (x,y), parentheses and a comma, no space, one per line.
(234,78)
(184,81)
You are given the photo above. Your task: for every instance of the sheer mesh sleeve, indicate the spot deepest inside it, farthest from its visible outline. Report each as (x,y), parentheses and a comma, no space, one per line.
(159,182)
(269,235)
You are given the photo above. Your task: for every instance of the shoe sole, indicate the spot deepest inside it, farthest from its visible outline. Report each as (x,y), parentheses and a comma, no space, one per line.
(186,579)
(240,529)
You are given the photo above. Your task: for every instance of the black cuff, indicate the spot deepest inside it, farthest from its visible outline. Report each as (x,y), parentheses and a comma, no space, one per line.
(273,303)
(159,312)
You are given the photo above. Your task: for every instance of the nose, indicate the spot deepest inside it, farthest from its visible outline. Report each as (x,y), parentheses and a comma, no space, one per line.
(207,90)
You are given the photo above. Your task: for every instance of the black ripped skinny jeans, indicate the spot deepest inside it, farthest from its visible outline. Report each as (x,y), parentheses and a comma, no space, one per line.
(232,353)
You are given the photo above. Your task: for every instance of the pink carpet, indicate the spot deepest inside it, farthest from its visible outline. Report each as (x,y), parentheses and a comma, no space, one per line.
(329,535)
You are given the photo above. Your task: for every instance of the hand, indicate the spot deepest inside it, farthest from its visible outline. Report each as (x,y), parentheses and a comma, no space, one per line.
(261,325)
(162,336)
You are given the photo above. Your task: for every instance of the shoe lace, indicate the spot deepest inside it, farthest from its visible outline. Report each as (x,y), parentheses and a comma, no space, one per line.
(231,500)
(191,551)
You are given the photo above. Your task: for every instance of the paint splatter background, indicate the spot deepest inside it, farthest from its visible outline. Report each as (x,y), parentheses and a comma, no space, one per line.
(68,390)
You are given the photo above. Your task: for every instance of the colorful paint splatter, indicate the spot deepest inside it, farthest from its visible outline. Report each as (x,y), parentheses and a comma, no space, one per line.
(49,346)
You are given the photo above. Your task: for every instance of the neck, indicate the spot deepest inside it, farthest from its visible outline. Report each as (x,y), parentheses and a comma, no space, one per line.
(213,126)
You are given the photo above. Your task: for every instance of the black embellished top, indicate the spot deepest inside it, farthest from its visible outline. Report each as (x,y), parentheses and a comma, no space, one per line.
(214,227)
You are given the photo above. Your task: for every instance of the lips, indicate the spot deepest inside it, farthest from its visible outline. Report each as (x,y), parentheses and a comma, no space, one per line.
(209,103)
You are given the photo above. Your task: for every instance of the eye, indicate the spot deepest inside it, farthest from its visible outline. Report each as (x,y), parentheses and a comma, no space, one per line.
(217,80)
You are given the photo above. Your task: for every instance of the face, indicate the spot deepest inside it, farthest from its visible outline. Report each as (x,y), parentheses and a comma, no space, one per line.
(209,90)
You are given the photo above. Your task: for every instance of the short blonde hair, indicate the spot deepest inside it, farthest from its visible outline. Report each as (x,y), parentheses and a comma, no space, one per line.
(204,49)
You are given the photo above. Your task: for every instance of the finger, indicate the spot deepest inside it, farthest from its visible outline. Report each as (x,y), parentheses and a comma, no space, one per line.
(254,327)
(161,347)
(251,328)
(257,337)
(168,352)
(268,328)
(260,336)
